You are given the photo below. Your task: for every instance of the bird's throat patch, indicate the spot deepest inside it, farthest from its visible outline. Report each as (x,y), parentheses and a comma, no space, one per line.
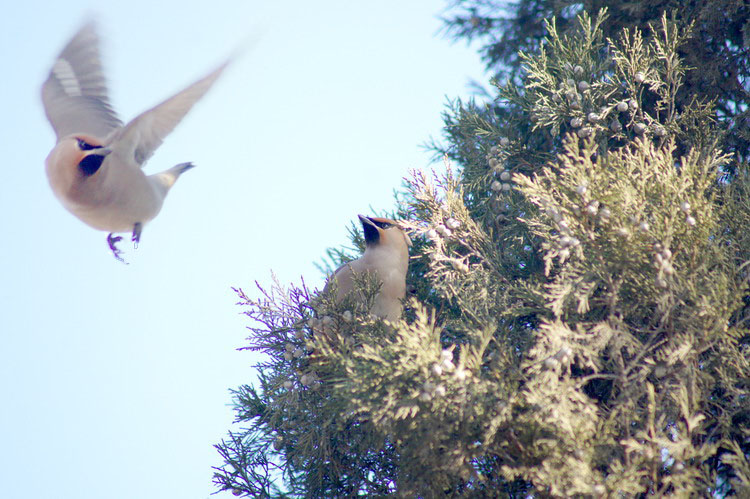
(372,236)
(91,164)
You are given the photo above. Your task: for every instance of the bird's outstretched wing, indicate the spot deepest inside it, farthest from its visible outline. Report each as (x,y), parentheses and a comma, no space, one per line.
(142,136)
(75,92)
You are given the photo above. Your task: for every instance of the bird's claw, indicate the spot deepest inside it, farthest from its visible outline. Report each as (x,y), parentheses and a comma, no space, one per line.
(112,241)
(137,228)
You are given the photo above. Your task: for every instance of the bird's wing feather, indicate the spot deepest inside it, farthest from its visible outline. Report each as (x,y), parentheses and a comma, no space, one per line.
(344,277)
(75,93)
(142,136)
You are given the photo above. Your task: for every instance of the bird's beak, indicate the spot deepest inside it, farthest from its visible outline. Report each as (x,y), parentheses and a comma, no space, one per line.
(364,220)
(102,151)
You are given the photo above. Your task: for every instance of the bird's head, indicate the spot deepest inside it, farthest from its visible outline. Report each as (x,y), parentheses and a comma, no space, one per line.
(84,152)
(384,232)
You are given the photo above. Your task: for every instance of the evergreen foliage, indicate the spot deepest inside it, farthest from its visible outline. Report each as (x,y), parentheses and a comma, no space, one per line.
(578,323)
(717,48)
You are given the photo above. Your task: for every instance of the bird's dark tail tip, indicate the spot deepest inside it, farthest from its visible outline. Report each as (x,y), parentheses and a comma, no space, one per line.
(182,168)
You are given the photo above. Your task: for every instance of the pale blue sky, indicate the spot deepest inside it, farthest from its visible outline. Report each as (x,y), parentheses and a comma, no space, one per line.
(114,378)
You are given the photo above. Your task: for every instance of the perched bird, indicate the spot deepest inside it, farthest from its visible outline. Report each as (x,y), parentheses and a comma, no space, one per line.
(387,256)
(95,168)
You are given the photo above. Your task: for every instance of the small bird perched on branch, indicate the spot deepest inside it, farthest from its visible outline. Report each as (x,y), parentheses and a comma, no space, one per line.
(387,256)
(95,167)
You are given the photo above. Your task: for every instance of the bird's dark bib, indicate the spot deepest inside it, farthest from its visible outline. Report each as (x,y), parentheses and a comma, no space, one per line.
(372,236)
(91,164)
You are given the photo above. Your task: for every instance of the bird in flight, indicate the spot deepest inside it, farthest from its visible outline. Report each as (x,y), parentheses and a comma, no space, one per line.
(95,168)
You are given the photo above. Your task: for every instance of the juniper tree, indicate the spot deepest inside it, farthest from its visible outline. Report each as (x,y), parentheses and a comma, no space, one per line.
(578,321)
(717,48)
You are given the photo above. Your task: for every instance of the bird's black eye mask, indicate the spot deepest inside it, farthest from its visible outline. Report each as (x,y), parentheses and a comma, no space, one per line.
(372,235)
(85,146)
(382,225)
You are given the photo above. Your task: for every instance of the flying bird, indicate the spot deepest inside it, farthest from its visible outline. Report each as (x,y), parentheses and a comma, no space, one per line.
(95,167)
(387,256)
